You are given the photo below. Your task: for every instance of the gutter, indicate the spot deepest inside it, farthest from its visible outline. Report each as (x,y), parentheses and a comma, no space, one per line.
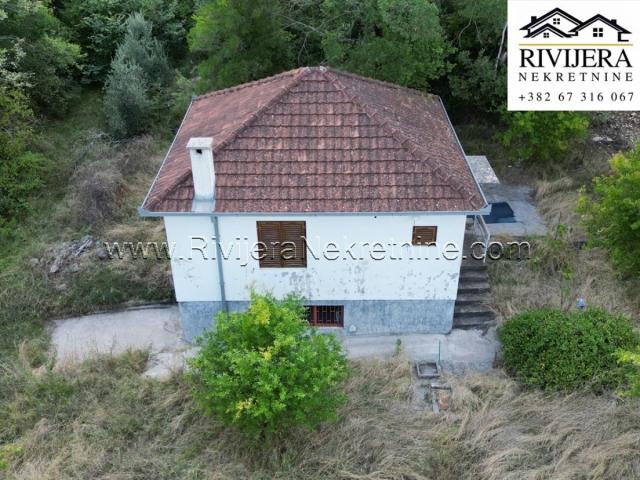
(216,232)
(486,210)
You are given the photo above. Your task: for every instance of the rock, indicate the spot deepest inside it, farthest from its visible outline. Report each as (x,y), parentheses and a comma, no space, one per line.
(61,287)
(600,139)
(34,262)
(74,268)
(57,263)
(85,242)
(102,253)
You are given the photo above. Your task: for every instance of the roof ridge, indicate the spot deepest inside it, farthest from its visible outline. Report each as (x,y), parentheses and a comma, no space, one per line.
(375,81)
(253,83)
(384,124)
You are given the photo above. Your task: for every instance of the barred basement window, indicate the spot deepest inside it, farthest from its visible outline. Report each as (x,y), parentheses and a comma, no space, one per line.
(282,244)
(424,235)
(325,315)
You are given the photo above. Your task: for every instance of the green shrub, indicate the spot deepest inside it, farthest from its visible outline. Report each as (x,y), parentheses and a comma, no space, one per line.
(265,371)
(612,214)
(630,359)
(543,137)
(559,350)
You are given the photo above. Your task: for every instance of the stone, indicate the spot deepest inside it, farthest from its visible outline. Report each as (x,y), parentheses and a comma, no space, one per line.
(85,243)
(34,262)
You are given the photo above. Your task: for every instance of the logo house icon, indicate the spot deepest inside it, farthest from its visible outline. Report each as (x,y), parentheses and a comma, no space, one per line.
(557,25)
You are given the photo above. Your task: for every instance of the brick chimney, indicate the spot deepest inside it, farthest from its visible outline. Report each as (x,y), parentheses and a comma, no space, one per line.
(204,178)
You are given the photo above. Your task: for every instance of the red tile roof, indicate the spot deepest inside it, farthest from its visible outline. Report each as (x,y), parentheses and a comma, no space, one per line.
(320,140)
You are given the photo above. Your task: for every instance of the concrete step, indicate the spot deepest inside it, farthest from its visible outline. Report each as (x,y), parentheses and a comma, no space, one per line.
(482,323)
(473,266)
(473,276)
(473,310)
(473,287)
(472,298)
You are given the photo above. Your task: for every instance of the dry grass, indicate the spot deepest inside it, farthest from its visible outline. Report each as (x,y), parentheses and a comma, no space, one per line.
(105,421)
(560,270)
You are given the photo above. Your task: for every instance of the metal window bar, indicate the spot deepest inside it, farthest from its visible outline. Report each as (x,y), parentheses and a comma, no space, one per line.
(325,315)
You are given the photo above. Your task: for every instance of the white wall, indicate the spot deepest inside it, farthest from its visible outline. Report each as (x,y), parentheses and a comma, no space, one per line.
(427,276)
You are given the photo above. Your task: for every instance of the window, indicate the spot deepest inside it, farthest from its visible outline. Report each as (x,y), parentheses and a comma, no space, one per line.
(598,32)
(325,315)
(556,21)
(282,244)
(424,235)
(545,34)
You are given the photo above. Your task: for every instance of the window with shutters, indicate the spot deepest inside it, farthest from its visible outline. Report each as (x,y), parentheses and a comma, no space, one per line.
(424,235)
(325,315)
(282,244)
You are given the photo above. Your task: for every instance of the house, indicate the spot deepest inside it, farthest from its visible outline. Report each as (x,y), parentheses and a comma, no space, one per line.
(601,29)
(557,24)
(349,191)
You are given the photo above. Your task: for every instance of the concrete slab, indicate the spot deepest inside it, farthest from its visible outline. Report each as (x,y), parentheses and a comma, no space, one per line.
(156,328)
(519,197)
(460,350)
(482,169)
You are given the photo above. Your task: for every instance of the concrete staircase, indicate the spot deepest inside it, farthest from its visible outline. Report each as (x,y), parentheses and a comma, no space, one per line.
(471,309)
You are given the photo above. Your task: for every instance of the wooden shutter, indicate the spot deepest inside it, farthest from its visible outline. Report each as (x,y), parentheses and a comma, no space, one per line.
(282,244)
(424,235)
(293,247)
(269,249)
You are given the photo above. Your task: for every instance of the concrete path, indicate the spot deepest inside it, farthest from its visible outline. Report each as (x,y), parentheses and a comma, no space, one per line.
(157,328)
(458,351)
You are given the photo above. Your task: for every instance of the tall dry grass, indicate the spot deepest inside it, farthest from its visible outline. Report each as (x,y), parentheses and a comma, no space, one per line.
(106,422)
(562,269)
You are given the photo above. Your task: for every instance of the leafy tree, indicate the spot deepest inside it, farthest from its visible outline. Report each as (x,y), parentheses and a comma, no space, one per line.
(612,213)
(100,25)
(543,136)
(266,372)
(400,41)
(239,41)
(476,29)
(139,72)
(36,46)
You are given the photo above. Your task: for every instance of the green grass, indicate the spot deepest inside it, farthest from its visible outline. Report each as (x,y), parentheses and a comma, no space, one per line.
(30,295)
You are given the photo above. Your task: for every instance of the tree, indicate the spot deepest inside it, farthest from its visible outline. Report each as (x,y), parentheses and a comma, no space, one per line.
(543,137)
(239,41)
(266,371)
(476,30)
(612,213)
(99,26)
(400,41)
(35,45)
(138,74)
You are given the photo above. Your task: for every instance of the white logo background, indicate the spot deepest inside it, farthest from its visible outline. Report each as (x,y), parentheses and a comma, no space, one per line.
(579,36)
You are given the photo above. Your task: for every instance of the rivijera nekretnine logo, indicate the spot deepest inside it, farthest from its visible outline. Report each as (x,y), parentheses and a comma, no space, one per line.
(573,55)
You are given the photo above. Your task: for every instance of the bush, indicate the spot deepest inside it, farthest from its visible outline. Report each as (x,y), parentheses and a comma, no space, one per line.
(265,371)
(20,169)
(612,215)
(543,136)
(559,350)
(631,360)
